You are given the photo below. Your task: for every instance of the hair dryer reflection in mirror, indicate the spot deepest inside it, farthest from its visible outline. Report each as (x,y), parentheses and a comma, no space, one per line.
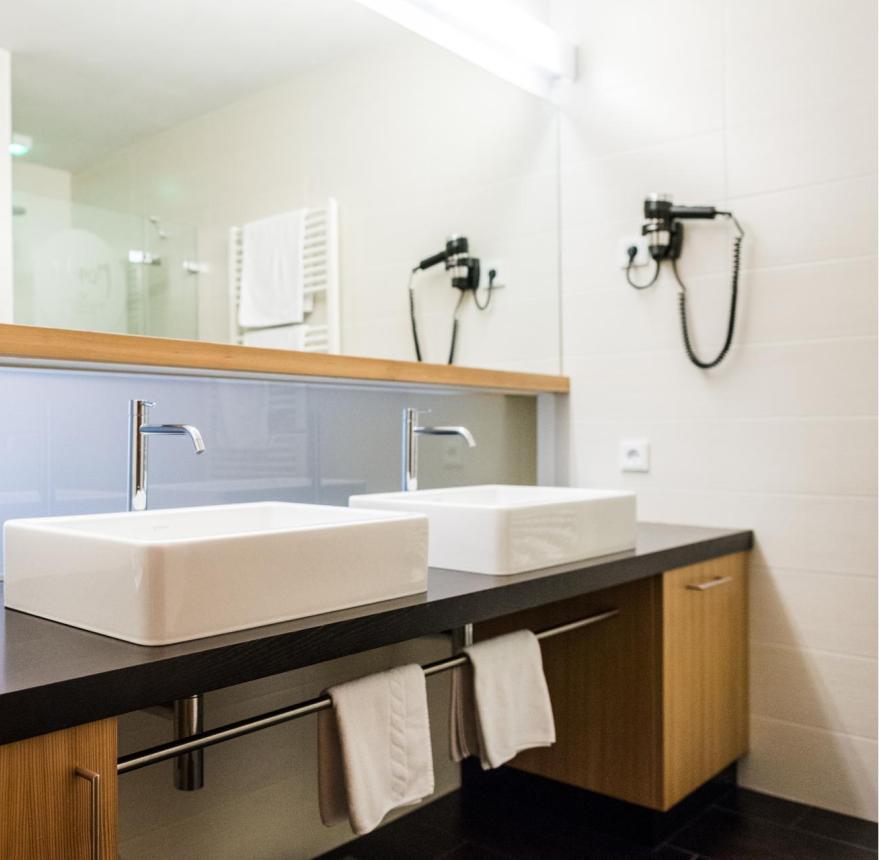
(465,272)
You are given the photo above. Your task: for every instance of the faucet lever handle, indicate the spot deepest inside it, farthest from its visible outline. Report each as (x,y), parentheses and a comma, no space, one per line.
(412,415)
(138,412)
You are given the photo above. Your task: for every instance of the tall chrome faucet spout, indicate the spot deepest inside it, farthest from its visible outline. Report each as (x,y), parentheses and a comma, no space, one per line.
(453,430)
(138,433)
(176,430)
(411,431)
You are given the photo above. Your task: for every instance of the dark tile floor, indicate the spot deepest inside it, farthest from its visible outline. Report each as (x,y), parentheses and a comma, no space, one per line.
(740,825)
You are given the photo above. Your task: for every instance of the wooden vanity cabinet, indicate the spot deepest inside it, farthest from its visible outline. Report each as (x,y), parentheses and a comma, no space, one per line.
(653,703)
(46,808)
(704,673)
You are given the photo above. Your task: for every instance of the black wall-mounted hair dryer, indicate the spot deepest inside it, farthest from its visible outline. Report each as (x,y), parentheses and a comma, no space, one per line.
(662,227)
(456,255)
(664,230)
(465,272)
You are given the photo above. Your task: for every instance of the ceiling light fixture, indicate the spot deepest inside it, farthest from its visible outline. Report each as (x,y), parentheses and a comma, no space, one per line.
(20,145)
(494,34)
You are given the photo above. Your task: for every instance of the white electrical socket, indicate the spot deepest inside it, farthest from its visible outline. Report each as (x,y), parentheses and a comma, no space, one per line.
(634,455)
(642,258)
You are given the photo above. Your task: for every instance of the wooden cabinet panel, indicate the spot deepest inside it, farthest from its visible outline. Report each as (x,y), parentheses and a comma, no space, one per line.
(653,703)
(605,687)
(705,678)
(44,806)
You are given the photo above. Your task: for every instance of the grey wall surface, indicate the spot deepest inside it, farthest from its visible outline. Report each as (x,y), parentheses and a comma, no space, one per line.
(63,440)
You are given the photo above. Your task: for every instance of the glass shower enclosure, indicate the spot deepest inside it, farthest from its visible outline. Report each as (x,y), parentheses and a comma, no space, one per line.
(84,267)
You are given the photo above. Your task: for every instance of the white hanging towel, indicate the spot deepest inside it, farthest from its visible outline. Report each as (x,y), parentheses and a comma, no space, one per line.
(500,701)
(374,751)
(279,337)
(271,274)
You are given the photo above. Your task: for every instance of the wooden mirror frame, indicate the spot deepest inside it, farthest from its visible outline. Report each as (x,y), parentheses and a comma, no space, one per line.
(22,344)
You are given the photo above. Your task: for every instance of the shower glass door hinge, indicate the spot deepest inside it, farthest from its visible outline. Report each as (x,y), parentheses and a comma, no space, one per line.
(144,258)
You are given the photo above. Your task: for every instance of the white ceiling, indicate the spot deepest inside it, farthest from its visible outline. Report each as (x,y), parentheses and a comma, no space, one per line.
(91,76)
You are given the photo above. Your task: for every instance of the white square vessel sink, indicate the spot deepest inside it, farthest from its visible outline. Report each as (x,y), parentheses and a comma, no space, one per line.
(158,577)
(499,529)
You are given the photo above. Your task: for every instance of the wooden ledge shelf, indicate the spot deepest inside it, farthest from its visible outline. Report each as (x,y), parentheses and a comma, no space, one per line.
(23,344)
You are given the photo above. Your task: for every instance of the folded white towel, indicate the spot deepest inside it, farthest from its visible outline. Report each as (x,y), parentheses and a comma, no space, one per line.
(271,274)
(374,750)
(500,701)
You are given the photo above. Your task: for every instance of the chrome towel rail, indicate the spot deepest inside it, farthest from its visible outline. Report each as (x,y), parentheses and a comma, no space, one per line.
(163,752)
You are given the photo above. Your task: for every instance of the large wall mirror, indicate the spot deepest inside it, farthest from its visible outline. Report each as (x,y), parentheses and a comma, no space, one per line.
(269,173)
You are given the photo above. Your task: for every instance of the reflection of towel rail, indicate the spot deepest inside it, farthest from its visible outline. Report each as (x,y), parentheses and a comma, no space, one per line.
(199,741)
(321,330)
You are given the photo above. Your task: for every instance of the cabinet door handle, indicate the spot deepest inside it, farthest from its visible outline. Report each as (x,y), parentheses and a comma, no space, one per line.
(712,583)
(94,781)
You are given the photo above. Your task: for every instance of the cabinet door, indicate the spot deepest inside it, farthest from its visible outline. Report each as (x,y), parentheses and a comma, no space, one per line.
(46,809)
(705,672)
(605,689)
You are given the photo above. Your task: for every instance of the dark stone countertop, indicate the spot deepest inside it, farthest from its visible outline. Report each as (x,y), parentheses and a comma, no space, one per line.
(53,676)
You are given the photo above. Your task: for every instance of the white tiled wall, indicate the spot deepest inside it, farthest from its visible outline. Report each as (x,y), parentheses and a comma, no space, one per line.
(44,195)
(5,189)
(768,106)
(29,178)
(415,144)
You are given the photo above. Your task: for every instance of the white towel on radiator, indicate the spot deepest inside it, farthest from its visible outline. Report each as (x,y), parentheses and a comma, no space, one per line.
(374,751)
(500,701)
(271,274)
(278,337)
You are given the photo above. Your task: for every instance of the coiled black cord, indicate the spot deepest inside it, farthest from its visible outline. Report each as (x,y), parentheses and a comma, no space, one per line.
(734,293)
(682,295)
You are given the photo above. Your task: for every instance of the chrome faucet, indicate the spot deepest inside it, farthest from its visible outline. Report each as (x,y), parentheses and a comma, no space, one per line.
(411,432)
(138,432)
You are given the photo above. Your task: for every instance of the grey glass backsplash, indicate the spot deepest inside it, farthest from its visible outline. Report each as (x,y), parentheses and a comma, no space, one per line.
(63,440)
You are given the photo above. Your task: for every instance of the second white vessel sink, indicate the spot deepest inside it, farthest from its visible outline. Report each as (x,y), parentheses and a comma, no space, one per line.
(500,529)
(158,577)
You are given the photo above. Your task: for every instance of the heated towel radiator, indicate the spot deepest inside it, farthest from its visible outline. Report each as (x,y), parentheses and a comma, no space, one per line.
(320,332)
